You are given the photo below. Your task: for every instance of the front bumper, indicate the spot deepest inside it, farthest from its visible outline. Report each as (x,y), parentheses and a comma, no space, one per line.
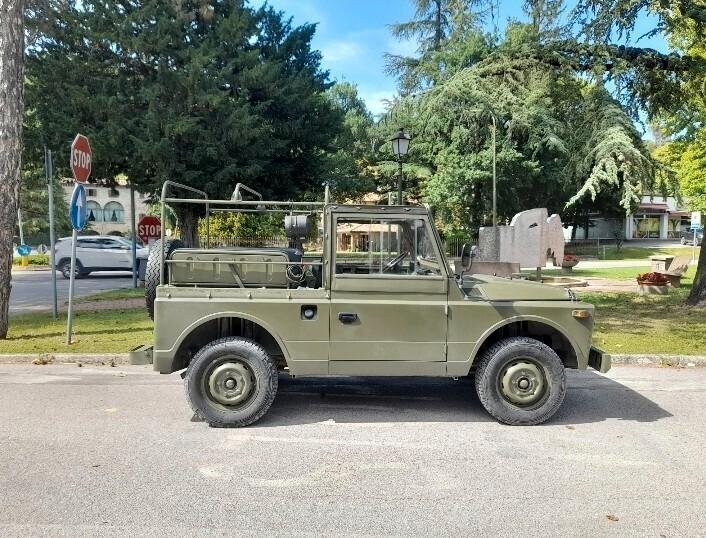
(599,360)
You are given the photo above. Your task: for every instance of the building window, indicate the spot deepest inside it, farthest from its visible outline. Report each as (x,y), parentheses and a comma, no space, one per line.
(113,192)
(114,212)
(91,192)
(646,226)
(93,211)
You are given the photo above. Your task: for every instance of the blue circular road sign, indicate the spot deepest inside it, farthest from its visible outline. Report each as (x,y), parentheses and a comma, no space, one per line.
(24,250)
(77,209)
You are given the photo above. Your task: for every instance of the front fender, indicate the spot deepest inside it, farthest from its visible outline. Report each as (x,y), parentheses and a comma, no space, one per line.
(581,353)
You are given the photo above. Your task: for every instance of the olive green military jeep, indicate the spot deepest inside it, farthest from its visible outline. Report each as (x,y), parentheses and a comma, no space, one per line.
(373,296)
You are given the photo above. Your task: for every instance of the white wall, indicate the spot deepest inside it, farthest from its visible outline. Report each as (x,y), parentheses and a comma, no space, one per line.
(103,197)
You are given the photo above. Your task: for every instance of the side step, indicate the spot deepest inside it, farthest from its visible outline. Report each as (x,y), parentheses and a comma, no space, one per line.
(141,355)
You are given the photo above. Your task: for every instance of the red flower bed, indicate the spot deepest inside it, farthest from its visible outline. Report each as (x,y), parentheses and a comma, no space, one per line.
(653,279)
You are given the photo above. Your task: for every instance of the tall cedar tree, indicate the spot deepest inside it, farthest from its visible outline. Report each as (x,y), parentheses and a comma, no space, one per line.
(205,94)
(562,143)
(11,108)
(684,23)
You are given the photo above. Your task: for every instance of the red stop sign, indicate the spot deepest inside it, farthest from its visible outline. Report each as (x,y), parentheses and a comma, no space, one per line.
(149,228)
(81,156)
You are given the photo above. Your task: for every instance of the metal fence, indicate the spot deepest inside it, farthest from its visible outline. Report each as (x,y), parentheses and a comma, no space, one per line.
(260,241)
(588,248)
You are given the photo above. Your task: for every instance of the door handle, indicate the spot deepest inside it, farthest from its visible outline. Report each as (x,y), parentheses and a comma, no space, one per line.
(347,317)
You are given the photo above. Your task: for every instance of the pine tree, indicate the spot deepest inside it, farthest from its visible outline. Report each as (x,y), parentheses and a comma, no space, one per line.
(448,36)
(205,94)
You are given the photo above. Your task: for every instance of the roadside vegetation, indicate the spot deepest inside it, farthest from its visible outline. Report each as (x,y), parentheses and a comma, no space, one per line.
(34,260)
(113,295)
(630,324)
(101,331)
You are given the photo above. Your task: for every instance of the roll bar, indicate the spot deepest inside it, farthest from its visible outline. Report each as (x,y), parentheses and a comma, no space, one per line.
(235,203)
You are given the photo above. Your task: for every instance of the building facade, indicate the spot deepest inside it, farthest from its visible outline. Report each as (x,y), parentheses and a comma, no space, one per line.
(108,208)
(657,217)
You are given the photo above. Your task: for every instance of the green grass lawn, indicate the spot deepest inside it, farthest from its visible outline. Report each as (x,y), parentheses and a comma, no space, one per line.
(113,295)
(628,323)
(103,331)
(638,253)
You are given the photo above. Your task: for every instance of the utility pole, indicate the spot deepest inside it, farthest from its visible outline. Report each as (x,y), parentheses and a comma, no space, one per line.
(134,234)
(48,168)
(19,224)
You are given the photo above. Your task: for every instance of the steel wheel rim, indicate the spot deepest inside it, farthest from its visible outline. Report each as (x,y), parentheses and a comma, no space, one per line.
(523,382)
(231,383)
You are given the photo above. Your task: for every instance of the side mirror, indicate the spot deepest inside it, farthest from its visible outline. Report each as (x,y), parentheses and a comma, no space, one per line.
(466,256)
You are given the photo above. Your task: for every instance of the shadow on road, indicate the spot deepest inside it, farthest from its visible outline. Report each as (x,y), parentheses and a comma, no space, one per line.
(590,398)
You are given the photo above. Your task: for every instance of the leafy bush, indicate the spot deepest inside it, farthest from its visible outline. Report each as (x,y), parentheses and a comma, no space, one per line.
(34,259)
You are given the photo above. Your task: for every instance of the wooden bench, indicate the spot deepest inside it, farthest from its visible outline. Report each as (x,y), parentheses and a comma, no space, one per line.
(675,270)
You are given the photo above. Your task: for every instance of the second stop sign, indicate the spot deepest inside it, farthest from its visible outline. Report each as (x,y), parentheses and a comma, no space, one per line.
(149,228)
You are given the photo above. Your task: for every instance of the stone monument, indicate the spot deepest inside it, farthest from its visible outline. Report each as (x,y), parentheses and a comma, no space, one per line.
(530,240)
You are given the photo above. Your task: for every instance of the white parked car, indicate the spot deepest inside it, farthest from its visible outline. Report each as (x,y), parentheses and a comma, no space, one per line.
(96,253)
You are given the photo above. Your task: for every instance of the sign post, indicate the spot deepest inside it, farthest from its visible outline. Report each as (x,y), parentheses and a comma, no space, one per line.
(77,212)
(695,227)
(81,157)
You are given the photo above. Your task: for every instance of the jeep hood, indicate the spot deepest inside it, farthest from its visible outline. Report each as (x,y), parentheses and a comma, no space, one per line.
(495,288)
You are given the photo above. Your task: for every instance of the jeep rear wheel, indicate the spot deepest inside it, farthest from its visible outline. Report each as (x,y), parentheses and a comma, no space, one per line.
(231,382)
(520,381)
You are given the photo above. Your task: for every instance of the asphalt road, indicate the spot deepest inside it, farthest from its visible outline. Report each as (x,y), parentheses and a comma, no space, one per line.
(113,452)
(32,291)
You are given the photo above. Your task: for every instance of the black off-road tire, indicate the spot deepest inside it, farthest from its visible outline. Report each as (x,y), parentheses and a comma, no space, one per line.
(496,360)
(152,270)
(224,350)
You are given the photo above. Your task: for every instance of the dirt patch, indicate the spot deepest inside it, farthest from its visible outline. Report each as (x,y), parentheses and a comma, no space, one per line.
(609,284)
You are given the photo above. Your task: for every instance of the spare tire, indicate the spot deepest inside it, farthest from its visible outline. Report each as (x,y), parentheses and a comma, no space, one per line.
(153,267)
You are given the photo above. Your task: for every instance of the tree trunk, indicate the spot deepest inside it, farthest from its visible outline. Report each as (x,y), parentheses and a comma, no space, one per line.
(188,225)
(11,110)
(697,297)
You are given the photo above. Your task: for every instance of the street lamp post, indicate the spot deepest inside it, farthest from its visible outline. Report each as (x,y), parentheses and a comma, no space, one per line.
(495,199)
(400,147)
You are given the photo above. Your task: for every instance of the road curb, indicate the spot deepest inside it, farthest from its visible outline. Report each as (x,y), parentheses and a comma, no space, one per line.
(100,359)
(682,361)
(119,359)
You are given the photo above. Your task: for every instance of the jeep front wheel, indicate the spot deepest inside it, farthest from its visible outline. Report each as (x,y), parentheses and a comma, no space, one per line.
(231,382)
(520,381)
